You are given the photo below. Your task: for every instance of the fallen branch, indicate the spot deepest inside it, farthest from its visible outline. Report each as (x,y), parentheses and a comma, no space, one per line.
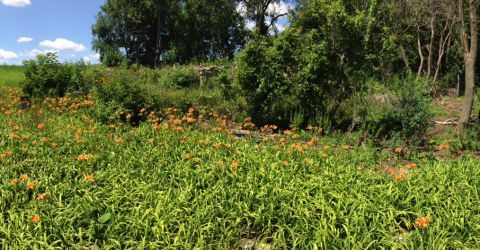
(447,122)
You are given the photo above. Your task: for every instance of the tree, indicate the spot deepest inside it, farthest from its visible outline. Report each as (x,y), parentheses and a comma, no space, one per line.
(264,14)
(469,41)
(306,73)
(152,32)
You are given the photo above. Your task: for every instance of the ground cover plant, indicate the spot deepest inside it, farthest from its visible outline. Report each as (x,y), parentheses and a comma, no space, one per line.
(184,180)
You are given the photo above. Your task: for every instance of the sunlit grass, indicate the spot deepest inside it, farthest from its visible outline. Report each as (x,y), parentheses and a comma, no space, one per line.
(11,75)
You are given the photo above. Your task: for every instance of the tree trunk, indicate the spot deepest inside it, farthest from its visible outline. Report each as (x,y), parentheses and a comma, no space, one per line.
(469,93)
(422,58)
(470,48)
(458,86)
(441,51)
(430,48)
(405,59)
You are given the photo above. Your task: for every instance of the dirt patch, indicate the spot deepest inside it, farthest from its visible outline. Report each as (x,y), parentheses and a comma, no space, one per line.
(447,110)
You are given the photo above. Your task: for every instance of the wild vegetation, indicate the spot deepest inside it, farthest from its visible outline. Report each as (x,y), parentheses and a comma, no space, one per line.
(182,180)
(11,75)
(354,128)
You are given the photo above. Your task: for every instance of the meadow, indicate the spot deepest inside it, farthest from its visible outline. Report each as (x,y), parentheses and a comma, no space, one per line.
(11,75)
(186,180)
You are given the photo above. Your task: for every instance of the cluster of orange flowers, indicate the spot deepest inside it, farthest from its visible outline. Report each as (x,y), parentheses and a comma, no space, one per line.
(36,219)
(89,178)
(80,132)
(62,104)
(422,222)
(84,157)
(442,147)
(29,185)
(235,165)
(401,173)
(42,196)
(5,154)
(248,124)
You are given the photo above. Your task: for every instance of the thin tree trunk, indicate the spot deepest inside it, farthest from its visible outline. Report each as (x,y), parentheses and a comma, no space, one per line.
(458,85)
(405,59)
(430,47)
(422,58)
(441,51)
(158,43)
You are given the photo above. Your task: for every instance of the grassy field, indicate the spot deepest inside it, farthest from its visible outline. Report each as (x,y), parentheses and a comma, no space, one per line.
(11,75)
(184,181)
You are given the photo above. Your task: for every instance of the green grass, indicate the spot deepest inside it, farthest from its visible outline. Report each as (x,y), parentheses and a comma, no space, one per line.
(179,190)
(11,75)
(438,112)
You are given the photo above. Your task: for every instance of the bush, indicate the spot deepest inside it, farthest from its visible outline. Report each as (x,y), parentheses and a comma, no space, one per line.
(470,140)
(404,112)
(123,94)
(46,76)
(179,77)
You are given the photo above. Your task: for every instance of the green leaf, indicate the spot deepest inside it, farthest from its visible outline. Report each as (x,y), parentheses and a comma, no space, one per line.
(106,217)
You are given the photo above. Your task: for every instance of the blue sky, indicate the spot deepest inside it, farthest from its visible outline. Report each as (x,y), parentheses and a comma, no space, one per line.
(60,25)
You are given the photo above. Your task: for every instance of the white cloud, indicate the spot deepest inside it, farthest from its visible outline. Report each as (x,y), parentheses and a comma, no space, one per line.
(94,58)
(63,44)
(280,8)
(241,9)
(35,52)
(16,3)
(24,39)
(250,24)
(7,55)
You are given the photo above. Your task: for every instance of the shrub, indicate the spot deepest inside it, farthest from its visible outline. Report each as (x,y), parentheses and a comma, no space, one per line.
(179,77)
(122,94)
(470,140)
(46,76)
(403,113)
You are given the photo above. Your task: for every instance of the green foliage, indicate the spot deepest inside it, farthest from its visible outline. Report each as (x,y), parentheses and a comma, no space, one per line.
(454,68)
(146,192)
(311,68)
(153,33)
(471,139)
(46,76)
(261,74)
(224,81)
(179,77)
(122,94)
(128,91)
(112,57)
(402,111)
